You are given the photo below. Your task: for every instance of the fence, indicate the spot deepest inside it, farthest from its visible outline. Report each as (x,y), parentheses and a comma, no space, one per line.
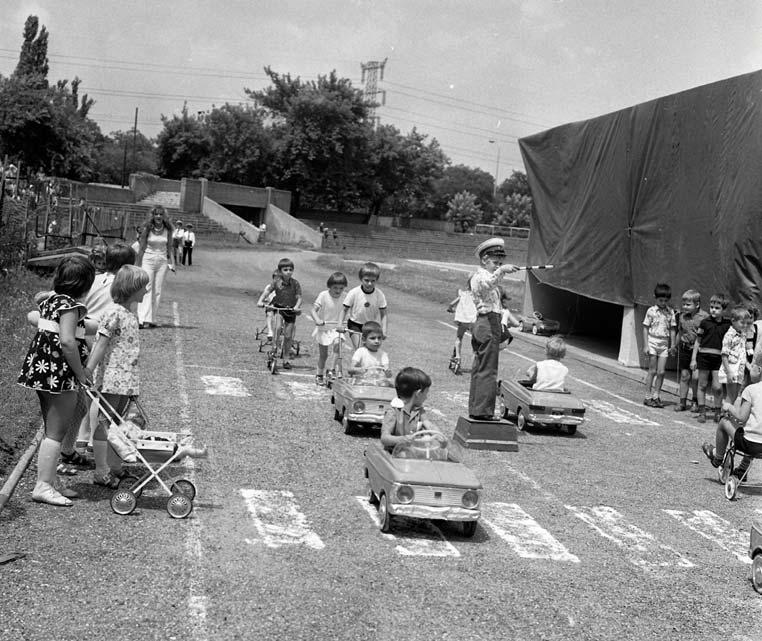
(502,230)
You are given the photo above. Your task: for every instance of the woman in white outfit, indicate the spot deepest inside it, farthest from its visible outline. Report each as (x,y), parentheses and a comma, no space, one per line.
(155,257)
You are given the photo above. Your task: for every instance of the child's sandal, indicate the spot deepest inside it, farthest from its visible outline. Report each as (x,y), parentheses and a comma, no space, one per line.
(75,458)
(66,470)
(107,480)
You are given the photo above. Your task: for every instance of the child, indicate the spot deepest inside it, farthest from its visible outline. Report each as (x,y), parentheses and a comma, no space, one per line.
(370,355)
(118,346)
(265,299)
(53,367)
(287,301)
(658,334)
(507,320)
(406,415)
(465,314)
(687,322)
(707,353)
(325,312)
(364,303)
(748,438)
(550,374)
(734,353)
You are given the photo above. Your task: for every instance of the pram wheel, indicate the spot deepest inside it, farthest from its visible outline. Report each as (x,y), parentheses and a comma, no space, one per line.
(179,506)
(184,486)
(731,487)
(272,364)
(123,502)
(726,467)
(756,572)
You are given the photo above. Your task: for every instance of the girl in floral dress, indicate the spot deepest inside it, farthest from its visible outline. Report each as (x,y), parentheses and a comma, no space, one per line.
(118,346)
(54,367)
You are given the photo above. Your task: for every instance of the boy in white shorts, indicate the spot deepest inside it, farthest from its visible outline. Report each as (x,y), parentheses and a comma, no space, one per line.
(659,329)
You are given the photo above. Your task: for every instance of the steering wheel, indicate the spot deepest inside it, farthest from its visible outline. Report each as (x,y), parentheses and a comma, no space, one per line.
(429,435)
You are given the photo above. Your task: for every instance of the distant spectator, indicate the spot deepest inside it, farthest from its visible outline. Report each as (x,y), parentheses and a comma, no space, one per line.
(326,236)
(321,227)
(335,237)
(189,242)
(262,232)
(177,240)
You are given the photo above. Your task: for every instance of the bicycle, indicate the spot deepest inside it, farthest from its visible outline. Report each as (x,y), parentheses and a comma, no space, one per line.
(276,348)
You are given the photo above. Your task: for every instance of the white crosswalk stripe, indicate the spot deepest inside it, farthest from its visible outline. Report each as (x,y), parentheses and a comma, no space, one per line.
(642,548)
(717,530)
(278,520)
(616,414)
(224,386)
(527,538)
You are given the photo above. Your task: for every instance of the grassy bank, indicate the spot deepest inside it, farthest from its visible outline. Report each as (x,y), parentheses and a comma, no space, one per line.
(19,408)
(439,285)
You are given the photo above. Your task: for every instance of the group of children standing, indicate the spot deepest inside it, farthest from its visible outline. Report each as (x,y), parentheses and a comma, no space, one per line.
(714,351)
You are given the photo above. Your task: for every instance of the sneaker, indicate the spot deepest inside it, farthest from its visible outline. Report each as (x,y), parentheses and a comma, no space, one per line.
(107,480)
(319,380)
(681,407)
(708,449)
(286,365)
(656,402)
(649,402)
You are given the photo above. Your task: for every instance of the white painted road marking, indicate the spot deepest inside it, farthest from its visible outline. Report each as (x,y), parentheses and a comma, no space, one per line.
(617,414)
(278,520)
(528,539)
(642,548)
(421,537)
(224,386)
(308,391)
(717,530)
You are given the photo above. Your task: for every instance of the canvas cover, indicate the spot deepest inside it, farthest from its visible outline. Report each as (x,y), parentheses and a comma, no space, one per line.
(666,191)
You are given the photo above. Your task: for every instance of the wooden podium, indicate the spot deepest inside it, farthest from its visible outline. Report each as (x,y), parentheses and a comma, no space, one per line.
(486,435)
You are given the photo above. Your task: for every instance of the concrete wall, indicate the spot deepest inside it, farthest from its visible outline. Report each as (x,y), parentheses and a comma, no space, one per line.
(284,228)
(192,192)
(230,194)
(230,221)
(144,184)
(280,198)
(101,192)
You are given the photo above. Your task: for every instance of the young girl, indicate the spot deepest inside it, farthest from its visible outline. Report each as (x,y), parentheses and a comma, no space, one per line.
(266,298)
(465,314)
(325,312)
(53,367)
(118,346)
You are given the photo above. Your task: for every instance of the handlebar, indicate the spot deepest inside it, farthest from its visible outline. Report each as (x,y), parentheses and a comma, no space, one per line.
(283,309)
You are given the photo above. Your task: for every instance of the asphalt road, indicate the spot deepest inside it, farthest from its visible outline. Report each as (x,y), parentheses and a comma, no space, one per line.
(620,532)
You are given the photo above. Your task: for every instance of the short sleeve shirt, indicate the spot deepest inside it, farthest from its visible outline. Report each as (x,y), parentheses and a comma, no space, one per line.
(486,292)
(659,321)
(400,422)
(753,428)
(327,307)
(287,293)
(734,346)
(710,333)
(364,307)
(364,358)
(119,372)
(98,299)
(687,326)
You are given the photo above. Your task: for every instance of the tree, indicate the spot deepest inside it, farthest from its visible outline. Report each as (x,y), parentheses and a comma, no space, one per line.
(109,158)
(515,211)
(183,145)
(459,178)
(33,60)
(516,183)
(464,211)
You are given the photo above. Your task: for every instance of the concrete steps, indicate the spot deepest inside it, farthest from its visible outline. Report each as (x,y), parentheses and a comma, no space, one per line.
(168,199)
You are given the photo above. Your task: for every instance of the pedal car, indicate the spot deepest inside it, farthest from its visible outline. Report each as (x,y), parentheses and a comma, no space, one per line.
(537,324)
(540,407)
(755,552)
(422,479)
(361,400)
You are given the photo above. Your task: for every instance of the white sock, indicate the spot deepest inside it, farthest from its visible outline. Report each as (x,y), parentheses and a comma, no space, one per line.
(100,454)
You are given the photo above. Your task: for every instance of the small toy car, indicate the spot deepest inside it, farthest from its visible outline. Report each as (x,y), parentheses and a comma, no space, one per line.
(361,400)
(755,552)
(537,324)
(422,479)
(540,407)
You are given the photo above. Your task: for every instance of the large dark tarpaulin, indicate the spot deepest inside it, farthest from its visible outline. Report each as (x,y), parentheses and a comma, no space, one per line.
(666,191)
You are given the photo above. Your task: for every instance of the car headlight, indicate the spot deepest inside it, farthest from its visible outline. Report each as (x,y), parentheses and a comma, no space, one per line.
(470,499)
(358,407)
(405,494)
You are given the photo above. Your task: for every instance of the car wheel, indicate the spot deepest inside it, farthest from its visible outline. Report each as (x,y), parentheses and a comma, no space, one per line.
(535,331)
(469,528)
(384,518)
(521,421)
(348,425)
(522,327)
(337,415)
(756,572)
(370,494)
(571,429)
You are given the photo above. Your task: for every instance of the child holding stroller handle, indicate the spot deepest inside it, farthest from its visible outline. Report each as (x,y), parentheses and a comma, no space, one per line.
(118,346)
(325,312)
(364,303)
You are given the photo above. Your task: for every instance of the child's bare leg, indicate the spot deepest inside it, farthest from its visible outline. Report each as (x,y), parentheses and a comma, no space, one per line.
(269,323)
(57,410)
(322,359)
(725,432)
(703,383)
(101,446)
(717,394)
(651,374)
(694,386)
(661,364)
(685,380)
(731,392)
(458,344)
(288,339)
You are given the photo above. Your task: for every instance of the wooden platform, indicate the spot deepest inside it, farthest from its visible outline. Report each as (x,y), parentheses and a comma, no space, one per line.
(486,435)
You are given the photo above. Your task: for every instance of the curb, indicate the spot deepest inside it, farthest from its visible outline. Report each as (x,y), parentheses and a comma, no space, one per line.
(21,466)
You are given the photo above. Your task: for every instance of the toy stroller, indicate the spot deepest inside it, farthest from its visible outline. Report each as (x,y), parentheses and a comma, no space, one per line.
(338,366)
(149,448)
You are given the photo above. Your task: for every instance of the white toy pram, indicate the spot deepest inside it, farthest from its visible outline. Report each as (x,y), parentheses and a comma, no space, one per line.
(148,448)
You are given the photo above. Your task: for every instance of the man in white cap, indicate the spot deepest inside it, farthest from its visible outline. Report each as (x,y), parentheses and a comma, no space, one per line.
(486,330)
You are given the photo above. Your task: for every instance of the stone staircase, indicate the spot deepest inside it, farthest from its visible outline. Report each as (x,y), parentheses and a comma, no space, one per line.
(167,199)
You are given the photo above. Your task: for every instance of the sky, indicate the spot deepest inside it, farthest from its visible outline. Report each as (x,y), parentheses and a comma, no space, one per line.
(477,75)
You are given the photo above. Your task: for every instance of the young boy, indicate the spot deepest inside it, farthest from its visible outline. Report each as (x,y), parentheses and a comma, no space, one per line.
(465,314)
(288,294)
(364,303)
(507,320)
(707,353)
(748,438)
(370,354)
(658,335)
(734,353)
(406,415)
(550,374)
(266,299)
(688,321)
(325,312)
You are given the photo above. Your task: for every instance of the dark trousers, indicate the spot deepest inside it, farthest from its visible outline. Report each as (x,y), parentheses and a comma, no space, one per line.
(187,253)
(485,342)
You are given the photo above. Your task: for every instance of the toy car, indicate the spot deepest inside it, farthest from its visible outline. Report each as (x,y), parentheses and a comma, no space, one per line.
(755,552)
(540,407)
(537,324)
(361,400)
(422,479)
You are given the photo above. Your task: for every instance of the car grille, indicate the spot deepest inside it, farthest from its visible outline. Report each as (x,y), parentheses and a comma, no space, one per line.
(438,496)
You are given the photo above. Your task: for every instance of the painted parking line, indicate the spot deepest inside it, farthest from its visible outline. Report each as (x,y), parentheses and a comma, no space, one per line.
(306,391)
(224,386)
(715,529)
(641,547)
(414,537)
(278,520)
(527,537)
(616,414)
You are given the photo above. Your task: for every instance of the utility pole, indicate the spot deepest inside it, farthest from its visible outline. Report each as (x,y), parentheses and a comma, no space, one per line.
(134,142)
(497,167)
(370,77)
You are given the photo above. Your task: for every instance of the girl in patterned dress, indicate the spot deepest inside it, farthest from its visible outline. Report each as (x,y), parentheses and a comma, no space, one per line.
(54,367)
(118,346)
